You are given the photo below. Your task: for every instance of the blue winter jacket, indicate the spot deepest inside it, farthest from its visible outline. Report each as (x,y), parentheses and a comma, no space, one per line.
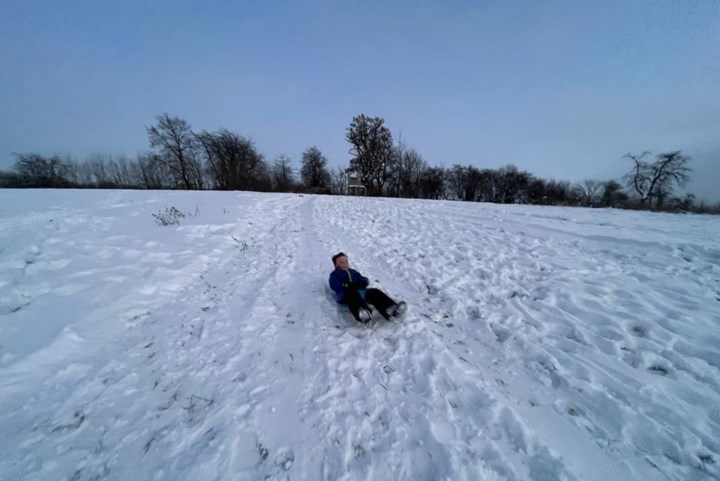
(338,277)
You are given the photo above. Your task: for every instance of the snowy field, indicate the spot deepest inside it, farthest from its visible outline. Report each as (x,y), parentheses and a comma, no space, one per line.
(540,343)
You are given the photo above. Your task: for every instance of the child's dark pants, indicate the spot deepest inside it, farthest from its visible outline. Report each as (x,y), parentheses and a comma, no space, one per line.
(374,297)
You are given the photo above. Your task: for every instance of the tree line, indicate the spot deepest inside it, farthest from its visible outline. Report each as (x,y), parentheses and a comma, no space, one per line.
(180,158)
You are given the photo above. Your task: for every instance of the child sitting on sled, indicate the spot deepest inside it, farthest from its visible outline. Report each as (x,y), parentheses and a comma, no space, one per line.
(351,289)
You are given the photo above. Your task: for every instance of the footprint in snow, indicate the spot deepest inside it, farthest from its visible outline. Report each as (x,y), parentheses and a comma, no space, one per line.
(14,302)
(285,459)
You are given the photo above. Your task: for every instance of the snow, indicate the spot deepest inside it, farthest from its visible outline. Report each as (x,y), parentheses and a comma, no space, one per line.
(540,343)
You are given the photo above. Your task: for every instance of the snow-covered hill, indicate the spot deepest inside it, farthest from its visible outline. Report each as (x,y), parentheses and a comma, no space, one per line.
(540,343)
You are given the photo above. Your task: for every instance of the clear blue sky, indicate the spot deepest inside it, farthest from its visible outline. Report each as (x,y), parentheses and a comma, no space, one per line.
(560,88)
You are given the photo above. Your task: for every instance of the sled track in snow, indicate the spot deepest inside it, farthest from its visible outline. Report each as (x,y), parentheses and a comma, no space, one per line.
(426,399)
(499,290)
(164,399)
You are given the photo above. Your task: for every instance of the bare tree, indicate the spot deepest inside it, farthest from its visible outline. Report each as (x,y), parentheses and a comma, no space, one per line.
(613,195)
(638,179)
(537,191)
(372,150)
(670,170)
(656,180)
(283,174)
(588,192)
(233,162)
(410,167)
(314,171)
(126,173)
(175,144)
(488,186)
(432,183)
(11,180)
(473,183)
(455,177)
(511,185)
(465,183)
(557,192)
(154,173)
(98,167)
(338,181)
(84,175)
(211,150)
(38,171)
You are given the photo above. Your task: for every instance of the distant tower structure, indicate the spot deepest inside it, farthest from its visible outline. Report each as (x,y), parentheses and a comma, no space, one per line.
(355,187)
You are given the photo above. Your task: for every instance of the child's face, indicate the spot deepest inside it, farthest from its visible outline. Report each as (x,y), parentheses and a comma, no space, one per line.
(342,262)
